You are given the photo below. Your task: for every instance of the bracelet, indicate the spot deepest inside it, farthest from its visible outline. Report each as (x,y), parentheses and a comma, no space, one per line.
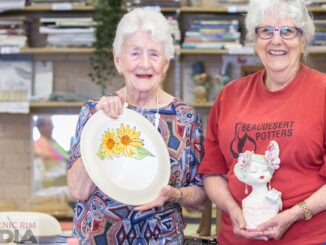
(179,197)
(112,94)
(306,211)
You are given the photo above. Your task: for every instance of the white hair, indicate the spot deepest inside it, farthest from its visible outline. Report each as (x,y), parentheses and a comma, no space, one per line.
(145,19)
(297,10)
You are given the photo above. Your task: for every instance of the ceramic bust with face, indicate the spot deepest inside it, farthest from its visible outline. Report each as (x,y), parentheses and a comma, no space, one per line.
(256,170)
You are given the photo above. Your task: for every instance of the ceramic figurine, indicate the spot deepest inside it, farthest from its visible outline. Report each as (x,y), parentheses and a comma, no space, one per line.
(202,82)
(256,170)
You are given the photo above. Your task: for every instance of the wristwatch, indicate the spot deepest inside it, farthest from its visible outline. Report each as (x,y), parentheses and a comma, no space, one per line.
(306,211)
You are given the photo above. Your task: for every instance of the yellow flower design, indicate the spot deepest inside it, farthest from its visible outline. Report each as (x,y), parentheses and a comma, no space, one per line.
(123,141)
(108,146)
(128,140)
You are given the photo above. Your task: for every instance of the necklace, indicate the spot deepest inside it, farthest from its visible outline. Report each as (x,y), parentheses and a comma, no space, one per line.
(157,115)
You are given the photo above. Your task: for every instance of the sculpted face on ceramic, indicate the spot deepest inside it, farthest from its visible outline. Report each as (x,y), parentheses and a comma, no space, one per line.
(257,173)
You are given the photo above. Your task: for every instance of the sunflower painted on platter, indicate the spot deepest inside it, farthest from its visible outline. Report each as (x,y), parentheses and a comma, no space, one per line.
(124,141)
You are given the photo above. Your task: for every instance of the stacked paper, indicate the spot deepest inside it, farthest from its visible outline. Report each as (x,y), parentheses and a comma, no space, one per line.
(68,32)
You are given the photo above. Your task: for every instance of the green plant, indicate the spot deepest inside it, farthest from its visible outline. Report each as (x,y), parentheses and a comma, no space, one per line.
(107,15)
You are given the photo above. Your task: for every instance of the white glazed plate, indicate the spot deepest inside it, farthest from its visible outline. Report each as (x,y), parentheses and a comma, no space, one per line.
(126,158)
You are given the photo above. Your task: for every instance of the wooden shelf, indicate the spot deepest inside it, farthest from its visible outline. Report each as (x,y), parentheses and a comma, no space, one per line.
(74,8)
(53,104)
(56,107)
(182,9)
(212,9)
(51,51)
(202,51)
(163,9)
(57,51)
(317,9)
(317,50)
(75,106)
(312,50)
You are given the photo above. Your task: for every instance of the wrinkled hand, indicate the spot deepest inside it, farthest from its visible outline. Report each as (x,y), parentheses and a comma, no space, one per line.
(165,194)
(239,226)
(111,105)
(277,226)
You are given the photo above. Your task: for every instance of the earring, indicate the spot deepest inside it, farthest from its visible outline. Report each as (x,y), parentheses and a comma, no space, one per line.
(246,189)
(269,185)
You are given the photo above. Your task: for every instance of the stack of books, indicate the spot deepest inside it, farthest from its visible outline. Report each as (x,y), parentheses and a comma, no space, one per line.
(159,3)
(320,34)
(50,2)
(12,33)
(212,34)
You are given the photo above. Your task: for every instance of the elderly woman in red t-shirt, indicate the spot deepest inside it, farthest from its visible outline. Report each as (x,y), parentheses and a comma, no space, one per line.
(284,102)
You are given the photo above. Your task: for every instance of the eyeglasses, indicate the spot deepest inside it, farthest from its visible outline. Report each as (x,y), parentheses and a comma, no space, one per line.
(286,32)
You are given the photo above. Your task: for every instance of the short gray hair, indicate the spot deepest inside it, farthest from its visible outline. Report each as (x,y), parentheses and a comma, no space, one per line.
(295,9)
(145,19)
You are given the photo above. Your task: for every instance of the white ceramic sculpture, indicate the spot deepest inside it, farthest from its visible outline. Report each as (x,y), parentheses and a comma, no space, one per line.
(257,170)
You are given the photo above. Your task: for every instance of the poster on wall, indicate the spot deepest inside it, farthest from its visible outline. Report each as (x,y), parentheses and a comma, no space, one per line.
(15,84)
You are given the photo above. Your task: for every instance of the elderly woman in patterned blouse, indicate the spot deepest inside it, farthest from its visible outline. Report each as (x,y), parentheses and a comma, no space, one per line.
(143,47)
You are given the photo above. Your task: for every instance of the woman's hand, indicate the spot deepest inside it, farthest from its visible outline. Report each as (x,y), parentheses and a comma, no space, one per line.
(239,226)
(167,193)
(278,225)
(79,183)
(111,105)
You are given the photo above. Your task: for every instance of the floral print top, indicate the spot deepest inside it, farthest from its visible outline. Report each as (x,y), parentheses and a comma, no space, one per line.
(102,220)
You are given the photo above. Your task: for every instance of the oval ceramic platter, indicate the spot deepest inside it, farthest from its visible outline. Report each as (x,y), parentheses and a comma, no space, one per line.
(126,158)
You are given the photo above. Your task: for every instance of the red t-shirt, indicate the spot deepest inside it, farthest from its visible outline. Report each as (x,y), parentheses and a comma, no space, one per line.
(247,116)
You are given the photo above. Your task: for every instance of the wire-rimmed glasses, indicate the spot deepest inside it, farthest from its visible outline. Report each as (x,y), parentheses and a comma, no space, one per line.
(286,32)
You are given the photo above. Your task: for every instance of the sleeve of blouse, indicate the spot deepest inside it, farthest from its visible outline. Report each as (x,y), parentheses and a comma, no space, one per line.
(87,110)
(196,152)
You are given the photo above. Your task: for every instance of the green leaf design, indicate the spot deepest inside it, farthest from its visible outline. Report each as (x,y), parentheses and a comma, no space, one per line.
(101,153)
(142,153)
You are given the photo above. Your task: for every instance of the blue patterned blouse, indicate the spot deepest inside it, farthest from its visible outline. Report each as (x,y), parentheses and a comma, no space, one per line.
(101,220)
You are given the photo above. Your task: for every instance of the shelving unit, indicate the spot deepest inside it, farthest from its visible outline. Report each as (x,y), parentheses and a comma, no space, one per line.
(17,148)
(180,55)
(232,12)
(181,52)
(57,9)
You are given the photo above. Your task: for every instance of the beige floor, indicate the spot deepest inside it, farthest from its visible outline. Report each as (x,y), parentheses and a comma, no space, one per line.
(191,230)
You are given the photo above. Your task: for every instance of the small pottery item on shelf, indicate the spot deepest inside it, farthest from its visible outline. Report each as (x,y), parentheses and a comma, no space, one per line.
(202,82)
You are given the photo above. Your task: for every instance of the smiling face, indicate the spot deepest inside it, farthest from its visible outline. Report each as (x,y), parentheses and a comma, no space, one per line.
(142,62)
(279,55)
